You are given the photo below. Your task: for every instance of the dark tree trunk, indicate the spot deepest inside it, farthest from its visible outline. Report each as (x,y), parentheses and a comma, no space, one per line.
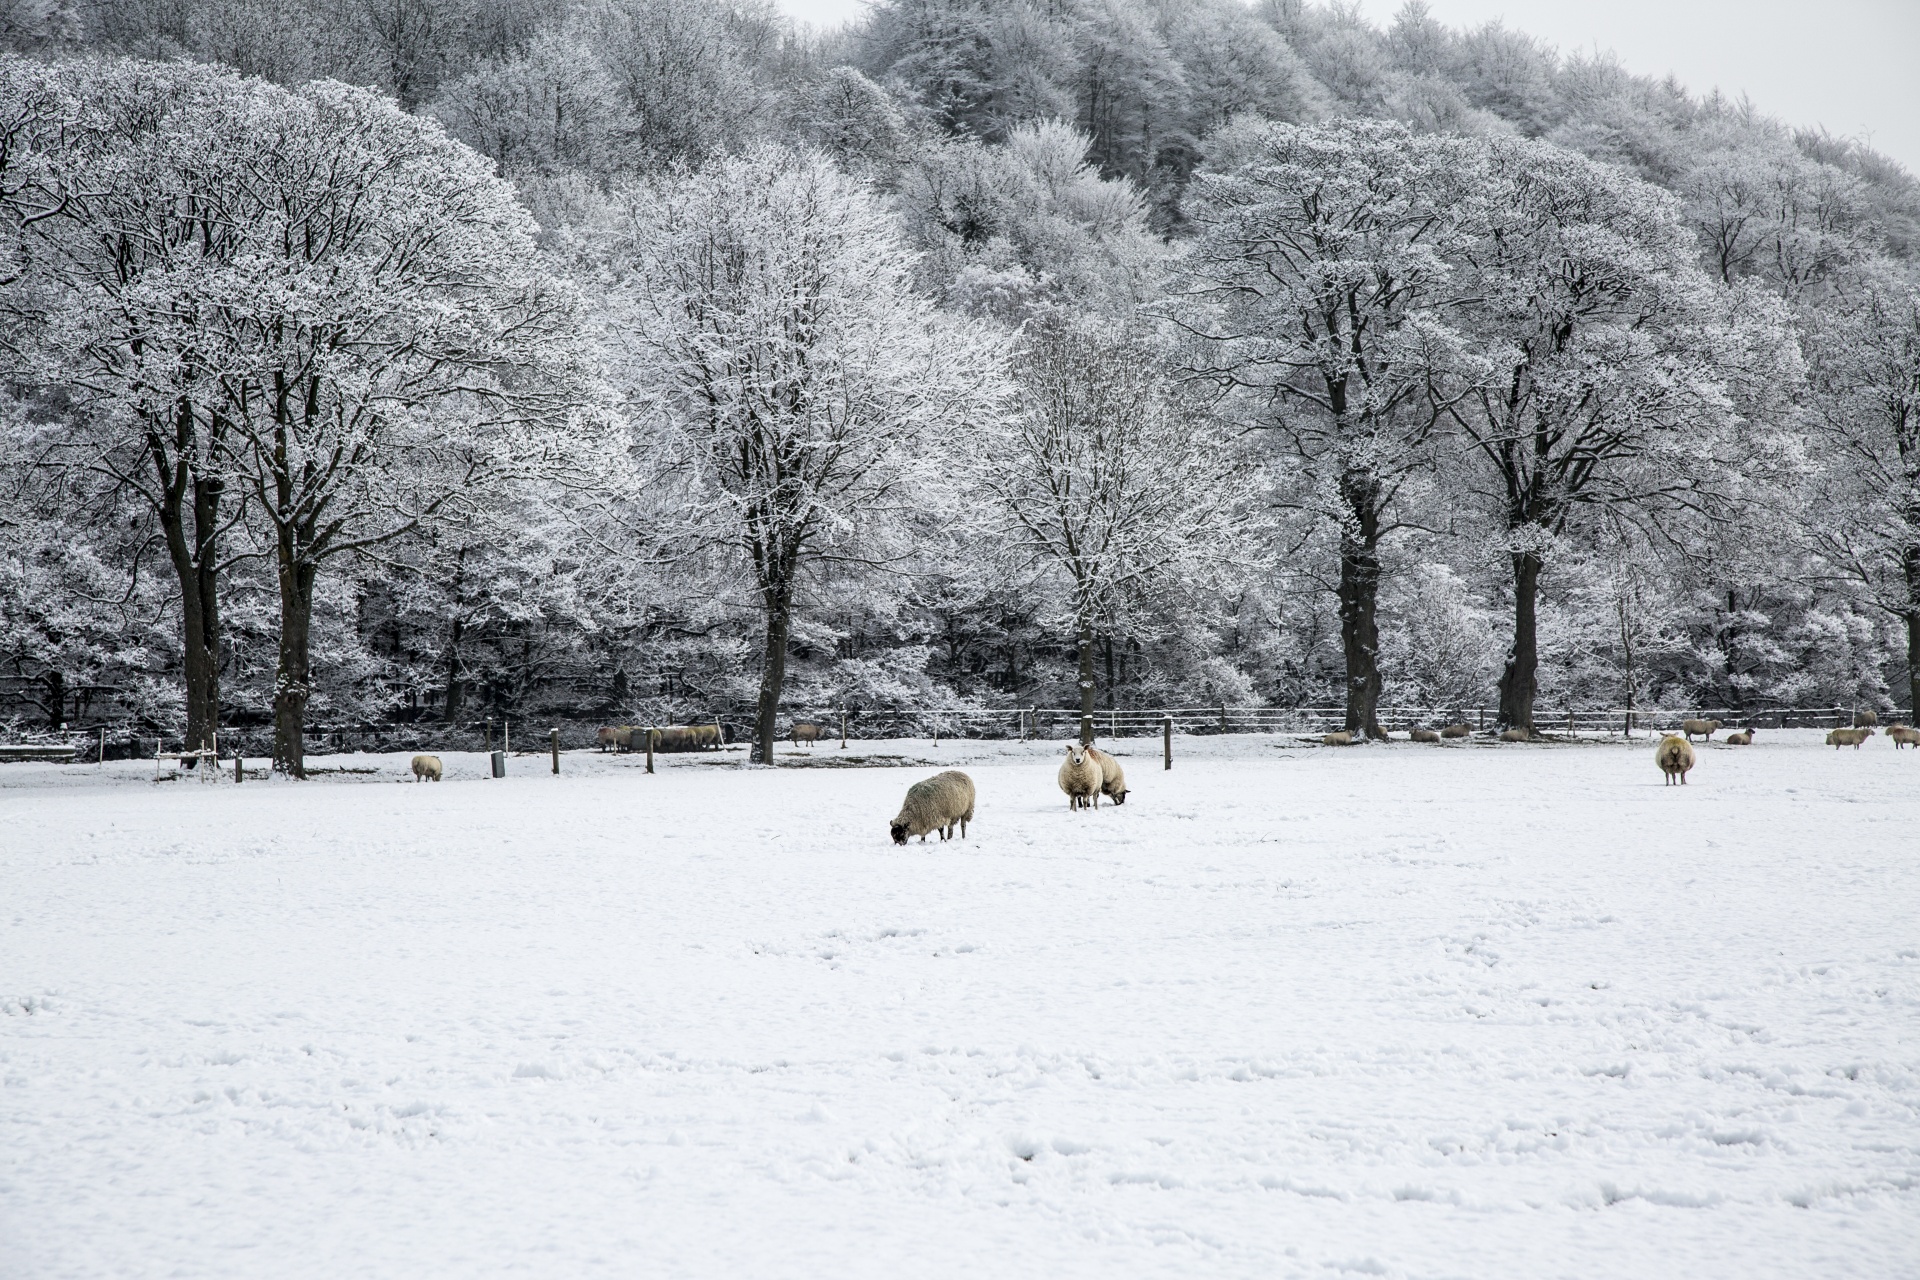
(456,689)
(1360,636)
(1106,645)
(1911,557)
(56,699)
(1086,681)
(292,684)
(778,600)
(189,514)
(1519,682)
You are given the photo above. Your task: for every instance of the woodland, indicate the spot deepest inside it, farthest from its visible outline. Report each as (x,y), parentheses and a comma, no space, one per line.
(432,362)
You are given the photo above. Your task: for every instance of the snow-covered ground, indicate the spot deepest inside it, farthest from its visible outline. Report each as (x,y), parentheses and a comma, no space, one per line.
(1402,1011)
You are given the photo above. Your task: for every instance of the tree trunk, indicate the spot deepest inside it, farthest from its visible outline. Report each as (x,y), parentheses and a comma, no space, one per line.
(292,685)
(189,512)
(56,699)
(1911,562)
(455,688)
(773,669)
(1086,679)
(1360,636)
(1106,645)
(1519,682)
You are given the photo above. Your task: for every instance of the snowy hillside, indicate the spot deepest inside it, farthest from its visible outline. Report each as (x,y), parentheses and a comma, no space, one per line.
(1422,1012)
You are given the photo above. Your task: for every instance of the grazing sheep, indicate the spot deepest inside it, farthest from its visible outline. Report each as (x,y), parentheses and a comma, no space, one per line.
(1080,778)
(1456,731)
(425,767)
(1113,780)
(1675,758)
(606,738)
(1903,737)
(936,804)
(1849,737)
(1865,719)
(1516,734)
(1704,728)
(1344,738)
(804,732)
(684,737)
(1741,739)
(1425,735)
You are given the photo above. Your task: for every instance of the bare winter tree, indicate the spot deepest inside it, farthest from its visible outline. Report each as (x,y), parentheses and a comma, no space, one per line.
(1599,376)
(1864,347)
(118,241)
(1326,296)
(762,316)
(1106,481)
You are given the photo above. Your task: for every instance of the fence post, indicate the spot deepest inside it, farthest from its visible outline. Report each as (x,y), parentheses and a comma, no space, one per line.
(1166,739)
(1569,722)
(103,746)
(556,751)
(843,728)
(651,734)
(1483,719)
(239,767)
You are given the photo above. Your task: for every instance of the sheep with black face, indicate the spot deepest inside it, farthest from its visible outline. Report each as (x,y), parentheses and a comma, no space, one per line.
(938,804)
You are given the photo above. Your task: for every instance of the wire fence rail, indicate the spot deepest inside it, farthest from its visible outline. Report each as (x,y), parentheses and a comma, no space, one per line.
(92,743)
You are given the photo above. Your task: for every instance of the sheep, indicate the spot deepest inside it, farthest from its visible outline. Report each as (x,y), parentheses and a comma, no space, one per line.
(425,767)
(1456,731)
(1704,728)
(1675,757)
(1741,739)
(1080,778)
(1344,738)
(606,738)
(1113,779)
(1849,737)
(804,732)
(1903,737)
(936,804)
(1865,719)
(1425,735)
(1518,733)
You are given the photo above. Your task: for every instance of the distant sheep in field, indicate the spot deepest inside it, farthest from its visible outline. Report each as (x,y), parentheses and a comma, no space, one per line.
(807,733)
(1425,735)
(1344,738)
(1903,737)
(1704,728)
(1675,758)
(425,767)
(1516,734)
(1113,779)
(1742,739)
(1865,719)
(1080,778)
(1456,731)
(937,804)
(606,738)
(1849,737)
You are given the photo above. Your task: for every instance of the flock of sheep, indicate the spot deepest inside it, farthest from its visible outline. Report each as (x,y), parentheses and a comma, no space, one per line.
(945,801)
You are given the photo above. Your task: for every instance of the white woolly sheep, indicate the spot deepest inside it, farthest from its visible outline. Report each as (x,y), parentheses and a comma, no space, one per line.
(1903,736)
(606,738)
(1849,737)
(1456,731)
(1741,739)
(425,767)
(1425,735)
(1113,779)
(1516,734)
(804,732)
(1344,738)
(1865,719)
(1704,728)
(1675,758)
(938,804)
(1080,778)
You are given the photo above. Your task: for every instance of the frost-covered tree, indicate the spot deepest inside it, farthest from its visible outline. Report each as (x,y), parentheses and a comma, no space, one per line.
(1864,361)
(1107,481)
(1326,297)
(762,317)
(1599,371)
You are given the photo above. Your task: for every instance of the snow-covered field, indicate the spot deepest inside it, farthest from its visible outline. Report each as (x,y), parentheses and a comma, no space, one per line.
(1401,1011)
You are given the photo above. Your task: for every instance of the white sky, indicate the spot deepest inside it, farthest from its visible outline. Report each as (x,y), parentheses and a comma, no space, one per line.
(1851,65)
